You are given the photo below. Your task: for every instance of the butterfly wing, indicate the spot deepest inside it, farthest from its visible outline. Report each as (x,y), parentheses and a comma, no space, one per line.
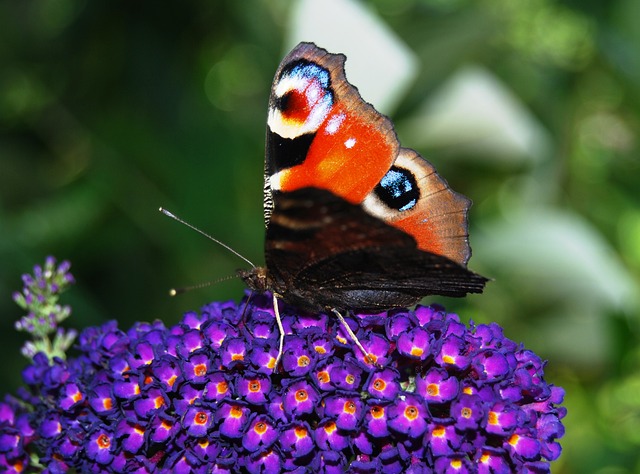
(353,220)
(322,251)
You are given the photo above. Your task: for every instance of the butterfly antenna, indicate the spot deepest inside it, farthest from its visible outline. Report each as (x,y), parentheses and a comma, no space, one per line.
(179,291)
(181,221)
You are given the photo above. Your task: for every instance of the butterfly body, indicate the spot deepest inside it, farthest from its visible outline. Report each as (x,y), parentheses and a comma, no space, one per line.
(353,220)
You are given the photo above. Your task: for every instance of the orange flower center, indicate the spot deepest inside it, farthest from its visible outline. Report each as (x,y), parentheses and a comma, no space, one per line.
(301,432)
(260,428)
(323,377)
(350,407)
(103,441)
(222,387)
(107,403)
(377,412)
(200,418)
(411,413)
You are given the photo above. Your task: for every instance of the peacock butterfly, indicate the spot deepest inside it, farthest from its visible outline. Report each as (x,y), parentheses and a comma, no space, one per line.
(354,221)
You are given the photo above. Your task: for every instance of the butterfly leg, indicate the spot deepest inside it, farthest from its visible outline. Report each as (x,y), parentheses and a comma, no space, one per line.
(353,337)
(280,328)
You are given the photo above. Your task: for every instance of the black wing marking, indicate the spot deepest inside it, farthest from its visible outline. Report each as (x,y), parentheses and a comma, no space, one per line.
(322,251)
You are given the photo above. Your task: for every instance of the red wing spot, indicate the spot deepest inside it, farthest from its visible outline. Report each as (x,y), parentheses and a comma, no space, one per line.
(294,106)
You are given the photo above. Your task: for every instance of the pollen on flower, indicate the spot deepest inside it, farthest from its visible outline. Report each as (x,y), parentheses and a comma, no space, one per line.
(107,403)
(456,463)
(379,384)
(103,441)
(466,412)
(493,418)
(330,427)
(417,351)
(254,386)
(236,412)
(513,441)
(222,387)
(320,349)
(323,377)
(260,428)
(411,412)
(158,402)
(200,370)
(303,361)
(18,466)
(201,418)
(350,379)
(237,357)
(377,412)
(433,389)
(449,359)
(301,432)
(438,431)
(350,407)
(302,395)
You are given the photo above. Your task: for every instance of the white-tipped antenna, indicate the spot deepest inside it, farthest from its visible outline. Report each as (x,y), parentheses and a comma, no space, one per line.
(179,291)
(176,218)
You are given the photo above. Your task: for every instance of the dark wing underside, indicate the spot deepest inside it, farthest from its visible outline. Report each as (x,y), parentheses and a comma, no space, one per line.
(323,252)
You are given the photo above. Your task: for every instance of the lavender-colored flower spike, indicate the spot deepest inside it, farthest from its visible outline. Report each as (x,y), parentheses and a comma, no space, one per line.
(39,297)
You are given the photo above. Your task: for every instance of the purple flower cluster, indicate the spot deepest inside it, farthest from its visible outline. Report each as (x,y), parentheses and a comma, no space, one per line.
(203,396)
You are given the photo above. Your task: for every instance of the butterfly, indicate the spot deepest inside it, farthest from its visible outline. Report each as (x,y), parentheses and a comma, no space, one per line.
(354,221)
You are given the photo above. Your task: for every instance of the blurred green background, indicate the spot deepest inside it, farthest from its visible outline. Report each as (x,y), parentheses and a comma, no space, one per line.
(109,110)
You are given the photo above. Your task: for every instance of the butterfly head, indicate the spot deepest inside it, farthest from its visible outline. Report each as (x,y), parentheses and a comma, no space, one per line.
(257,279)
